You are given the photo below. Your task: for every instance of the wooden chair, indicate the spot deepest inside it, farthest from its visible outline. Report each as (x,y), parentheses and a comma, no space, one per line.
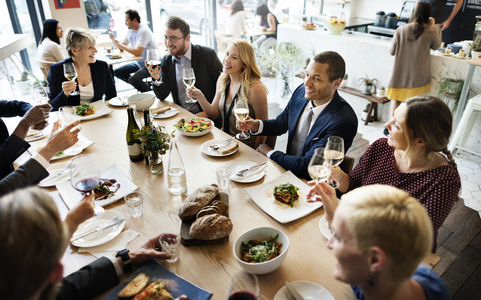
(222,40)
(271,141)
(45,67)
(347,163)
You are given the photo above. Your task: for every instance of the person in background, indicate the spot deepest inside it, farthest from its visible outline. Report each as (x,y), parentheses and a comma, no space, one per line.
(35,238)
(380,235)
(437,12)
(269,23)
(410,159)
(183,54)
(49,47)
(12,146)
(236,21)
(411,46)
(314,113)
(94,79)
(241,78)
(139,39)
(35,169)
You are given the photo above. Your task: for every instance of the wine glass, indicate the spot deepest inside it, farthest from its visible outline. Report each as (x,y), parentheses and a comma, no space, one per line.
(85,176)
(241,112)
(71,74)
(243,286)
(153,57)
(40,94)
(334,153)
(67,114)
(189,80)
(319,168)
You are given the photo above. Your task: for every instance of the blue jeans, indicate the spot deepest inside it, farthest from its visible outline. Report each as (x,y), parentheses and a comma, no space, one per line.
(135,80)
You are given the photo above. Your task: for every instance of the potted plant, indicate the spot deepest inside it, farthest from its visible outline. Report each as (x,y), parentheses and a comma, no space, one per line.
(156,144)
(367,84)
(381,92)
(476,48)
(450,91)
(344,80)
(23,83)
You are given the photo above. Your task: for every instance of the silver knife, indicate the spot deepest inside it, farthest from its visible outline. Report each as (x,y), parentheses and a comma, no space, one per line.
(242,173)
(113,222)
(164,112)
(293,291)
(63,172)
(222,144)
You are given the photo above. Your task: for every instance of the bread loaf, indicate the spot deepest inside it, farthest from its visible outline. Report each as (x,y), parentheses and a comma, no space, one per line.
(196,200)
(221,206)
(228,148)
(137,285)
(211,227)
(159,110)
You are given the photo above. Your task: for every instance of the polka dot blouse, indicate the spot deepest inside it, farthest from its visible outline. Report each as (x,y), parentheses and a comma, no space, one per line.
(436,189)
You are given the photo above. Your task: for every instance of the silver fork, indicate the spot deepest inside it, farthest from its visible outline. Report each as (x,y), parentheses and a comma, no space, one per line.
(242,173)
(220,145)
(288,294)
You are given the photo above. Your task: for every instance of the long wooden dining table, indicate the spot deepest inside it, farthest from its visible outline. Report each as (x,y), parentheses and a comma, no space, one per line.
(208,266)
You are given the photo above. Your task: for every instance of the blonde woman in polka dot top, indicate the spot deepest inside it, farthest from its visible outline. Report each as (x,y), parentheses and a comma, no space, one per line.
(414,158)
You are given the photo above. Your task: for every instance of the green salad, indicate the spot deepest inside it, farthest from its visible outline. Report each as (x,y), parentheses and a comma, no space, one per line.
(286,193)
(84,109)
(258,251)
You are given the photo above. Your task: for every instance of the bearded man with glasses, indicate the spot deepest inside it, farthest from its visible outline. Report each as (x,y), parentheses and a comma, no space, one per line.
(167,78)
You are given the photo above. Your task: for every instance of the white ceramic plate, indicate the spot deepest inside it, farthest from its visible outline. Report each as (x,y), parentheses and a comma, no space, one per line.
(324,227)
(244,165)
(263,196)
(118,101)
(308,290)
(100,237)
(101,109)
(205,148)
(167,114)
(53,170)
(82,143)
(71,196)
(34,137)
(195,134)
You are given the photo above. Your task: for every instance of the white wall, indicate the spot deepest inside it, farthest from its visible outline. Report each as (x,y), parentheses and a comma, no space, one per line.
(368,8)
(69,17)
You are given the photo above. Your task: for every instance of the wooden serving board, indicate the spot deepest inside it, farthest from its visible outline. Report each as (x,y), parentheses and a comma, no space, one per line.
(187,240)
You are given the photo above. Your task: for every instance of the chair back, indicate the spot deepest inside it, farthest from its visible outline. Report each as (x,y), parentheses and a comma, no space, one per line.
(222,40)
(45,66)
(347,163)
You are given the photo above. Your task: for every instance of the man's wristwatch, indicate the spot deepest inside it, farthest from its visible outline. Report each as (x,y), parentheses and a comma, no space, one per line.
(124,255)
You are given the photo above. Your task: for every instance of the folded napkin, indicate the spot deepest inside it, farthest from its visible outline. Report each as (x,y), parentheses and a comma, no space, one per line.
(110,248)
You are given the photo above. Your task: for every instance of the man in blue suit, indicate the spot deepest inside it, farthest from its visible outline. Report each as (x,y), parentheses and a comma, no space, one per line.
(314,113)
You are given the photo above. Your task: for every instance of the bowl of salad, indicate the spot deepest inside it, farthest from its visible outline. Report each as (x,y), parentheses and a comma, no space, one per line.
(194,127)
(261,250)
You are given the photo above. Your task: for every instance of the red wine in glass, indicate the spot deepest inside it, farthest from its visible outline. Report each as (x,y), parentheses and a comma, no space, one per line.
(242,295)
(86,185)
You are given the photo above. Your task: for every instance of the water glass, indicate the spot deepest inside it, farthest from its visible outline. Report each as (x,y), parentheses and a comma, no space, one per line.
(171,245)
(135,202)
(223,179)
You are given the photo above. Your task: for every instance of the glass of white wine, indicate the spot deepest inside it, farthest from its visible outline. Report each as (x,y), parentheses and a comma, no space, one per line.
(319,168)
(334,154)
(70,73)
(189,80)
(67,114)
(40,94)
(153,57)
(241,112)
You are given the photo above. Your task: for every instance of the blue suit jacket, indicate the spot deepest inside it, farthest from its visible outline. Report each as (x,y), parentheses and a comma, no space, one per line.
(102,80)
(337,119)
(11,147)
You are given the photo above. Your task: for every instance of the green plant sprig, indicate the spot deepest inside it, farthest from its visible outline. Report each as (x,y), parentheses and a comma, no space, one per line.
(154,140)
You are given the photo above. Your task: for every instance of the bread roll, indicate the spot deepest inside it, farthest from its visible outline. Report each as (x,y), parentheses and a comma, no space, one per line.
(211,227)
(228,148)
(159,110)
(196,200)
(221,206)
(207,210)
(137,285)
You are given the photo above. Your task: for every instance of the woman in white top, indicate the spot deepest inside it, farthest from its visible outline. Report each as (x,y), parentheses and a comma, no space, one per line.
(49,47)
(236,21)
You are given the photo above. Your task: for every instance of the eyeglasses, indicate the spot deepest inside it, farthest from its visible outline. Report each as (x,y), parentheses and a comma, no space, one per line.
(172,39)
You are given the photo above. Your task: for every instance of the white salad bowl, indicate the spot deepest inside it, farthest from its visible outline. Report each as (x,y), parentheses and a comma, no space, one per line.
(142,100)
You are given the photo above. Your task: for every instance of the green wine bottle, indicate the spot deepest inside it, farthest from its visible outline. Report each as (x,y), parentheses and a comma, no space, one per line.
(134,145)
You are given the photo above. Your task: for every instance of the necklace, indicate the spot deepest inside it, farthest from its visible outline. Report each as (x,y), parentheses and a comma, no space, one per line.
(427,161)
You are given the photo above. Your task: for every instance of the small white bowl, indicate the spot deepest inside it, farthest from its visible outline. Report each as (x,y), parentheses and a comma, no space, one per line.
(261,233)
(142,100)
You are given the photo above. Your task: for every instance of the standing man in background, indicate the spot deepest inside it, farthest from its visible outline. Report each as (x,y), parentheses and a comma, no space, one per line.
(437,12)
(138,40)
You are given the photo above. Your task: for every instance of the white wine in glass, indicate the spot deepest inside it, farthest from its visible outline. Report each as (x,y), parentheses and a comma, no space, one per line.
(241,112)
(319,168)
(40,94)
(153,57)
(334,154)
(67,114)
(188,77)
(70,73)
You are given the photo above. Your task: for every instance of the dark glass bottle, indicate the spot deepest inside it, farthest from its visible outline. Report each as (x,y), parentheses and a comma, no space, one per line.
(134,145)
(146,126)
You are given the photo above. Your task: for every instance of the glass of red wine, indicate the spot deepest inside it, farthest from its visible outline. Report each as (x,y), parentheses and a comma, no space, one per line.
(85,176)
(243,286)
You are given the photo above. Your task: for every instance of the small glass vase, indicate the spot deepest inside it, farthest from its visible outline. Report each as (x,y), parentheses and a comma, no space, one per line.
(156,164)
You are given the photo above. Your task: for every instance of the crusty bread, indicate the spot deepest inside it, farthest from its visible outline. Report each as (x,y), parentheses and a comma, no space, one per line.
(137,285)
(196,200)
(221,206)
(207,210)
(228,148)
(159,110)
(211,227)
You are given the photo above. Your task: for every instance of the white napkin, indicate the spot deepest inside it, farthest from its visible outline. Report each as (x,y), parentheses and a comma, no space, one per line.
(108,249)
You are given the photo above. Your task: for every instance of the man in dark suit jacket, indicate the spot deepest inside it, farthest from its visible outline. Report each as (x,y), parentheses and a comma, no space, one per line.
(331,116)
(102,81)
(182,54)
(12,146)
